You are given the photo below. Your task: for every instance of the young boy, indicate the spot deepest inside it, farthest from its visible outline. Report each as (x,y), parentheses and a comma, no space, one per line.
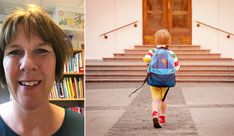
(159,106)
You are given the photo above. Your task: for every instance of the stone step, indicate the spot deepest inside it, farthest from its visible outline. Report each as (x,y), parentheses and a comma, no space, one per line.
(143,72)
(171,47)
(203,51)
(210,71)
(143,64)
(180,58)
(187,51)
(179,55)
(153,45)
(144,67)
(220,77)
(177,80)
(197,65)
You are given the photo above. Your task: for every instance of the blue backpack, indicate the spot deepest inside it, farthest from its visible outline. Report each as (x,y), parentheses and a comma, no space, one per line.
(161,69)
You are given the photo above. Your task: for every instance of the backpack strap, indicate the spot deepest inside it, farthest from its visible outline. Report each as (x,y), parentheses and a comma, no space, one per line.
(140,86)
(164,97)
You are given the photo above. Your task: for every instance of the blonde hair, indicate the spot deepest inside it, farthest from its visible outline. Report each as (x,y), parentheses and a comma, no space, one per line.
(163,37)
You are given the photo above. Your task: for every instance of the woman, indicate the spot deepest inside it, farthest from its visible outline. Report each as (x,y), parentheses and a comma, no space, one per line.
(33,50)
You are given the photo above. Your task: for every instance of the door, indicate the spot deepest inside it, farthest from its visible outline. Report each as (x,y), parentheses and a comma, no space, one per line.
(174,15)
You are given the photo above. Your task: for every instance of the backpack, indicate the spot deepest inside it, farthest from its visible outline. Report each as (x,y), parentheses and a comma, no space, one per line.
(161,69)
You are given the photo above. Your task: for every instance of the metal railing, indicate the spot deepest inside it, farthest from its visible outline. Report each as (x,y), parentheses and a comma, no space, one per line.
(105,34)
(201,23)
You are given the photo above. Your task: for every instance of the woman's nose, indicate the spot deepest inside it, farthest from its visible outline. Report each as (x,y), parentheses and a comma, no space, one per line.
(28,63)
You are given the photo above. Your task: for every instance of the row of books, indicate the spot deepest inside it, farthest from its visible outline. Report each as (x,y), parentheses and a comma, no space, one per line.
(75,65)
(69,87)
(77,109)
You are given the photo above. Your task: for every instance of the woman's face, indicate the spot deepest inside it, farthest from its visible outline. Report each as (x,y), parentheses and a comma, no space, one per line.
(29,66)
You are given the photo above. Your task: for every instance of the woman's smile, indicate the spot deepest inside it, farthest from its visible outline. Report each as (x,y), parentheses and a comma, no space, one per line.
(29,83)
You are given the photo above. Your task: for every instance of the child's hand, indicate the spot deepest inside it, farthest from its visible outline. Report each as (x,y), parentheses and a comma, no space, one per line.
(147,60)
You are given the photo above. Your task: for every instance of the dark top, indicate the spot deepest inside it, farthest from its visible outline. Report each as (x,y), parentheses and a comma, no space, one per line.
(73,125)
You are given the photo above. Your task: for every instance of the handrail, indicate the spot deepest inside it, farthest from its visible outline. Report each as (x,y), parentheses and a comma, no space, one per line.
(228,33)
(105,34)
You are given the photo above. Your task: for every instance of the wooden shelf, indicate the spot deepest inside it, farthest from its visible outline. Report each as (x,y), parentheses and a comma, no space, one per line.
(66,103)
(73,74)
(67,99)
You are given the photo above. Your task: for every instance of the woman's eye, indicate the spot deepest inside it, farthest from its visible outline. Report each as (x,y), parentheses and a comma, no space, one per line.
(42,51)
(15,53)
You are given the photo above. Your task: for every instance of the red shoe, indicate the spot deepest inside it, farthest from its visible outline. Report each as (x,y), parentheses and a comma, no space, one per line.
(155,118)
(162,119)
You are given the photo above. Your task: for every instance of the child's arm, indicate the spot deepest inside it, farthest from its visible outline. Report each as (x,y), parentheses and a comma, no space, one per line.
(176,61)
(149,55)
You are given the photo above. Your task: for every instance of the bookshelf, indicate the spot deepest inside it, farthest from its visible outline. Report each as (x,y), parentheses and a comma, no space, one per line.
(70,91)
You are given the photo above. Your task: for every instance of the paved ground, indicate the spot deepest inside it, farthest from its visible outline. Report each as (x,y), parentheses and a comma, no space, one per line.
(195,109)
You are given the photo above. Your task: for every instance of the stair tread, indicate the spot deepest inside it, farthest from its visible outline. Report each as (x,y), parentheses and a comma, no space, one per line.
(141,58)
(183,49)
(141,63)
(172,45)
(177,80)
(186,53)
(197,65)
(143,69)
(143,74)
(179,45)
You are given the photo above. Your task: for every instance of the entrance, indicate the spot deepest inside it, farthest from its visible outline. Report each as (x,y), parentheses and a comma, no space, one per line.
(174,15)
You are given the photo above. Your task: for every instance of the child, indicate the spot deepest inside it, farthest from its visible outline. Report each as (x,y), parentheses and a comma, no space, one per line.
(159,107)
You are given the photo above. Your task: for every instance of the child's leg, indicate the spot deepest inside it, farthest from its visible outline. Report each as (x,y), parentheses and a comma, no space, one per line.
(163,108)
(163,104)
(156,96)
(155,105)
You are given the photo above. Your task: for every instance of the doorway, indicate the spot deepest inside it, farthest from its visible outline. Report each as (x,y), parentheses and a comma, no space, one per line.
(174,15)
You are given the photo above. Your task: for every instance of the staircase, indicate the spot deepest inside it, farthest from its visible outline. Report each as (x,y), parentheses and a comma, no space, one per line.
(197,65)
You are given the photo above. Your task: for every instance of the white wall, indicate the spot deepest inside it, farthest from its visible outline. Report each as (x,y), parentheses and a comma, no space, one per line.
(105,15)
(109,14)
(76,30)
(217,13)
(226,21)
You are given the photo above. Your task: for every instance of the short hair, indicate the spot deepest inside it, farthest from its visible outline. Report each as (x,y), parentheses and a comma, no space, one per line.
(162,36)
(35,21)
